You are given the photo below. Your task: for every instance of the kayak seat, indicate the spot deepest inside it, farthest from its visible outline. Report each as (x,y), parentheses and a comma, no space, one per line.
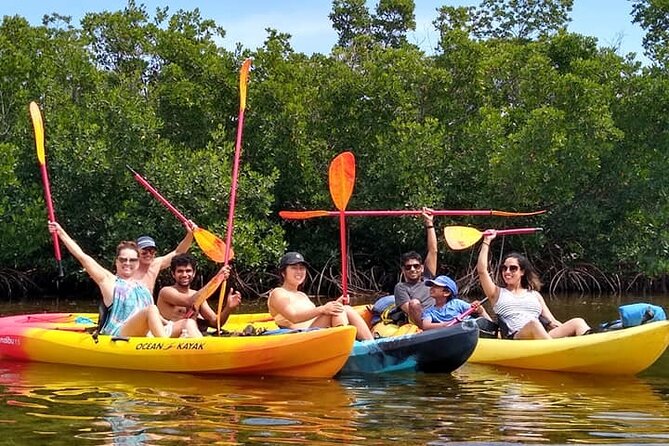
(103,314)
(487,329)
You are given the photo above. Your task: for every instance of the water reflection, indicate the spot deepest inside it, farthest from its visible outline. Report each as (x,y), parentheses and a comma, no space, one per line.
(117,407)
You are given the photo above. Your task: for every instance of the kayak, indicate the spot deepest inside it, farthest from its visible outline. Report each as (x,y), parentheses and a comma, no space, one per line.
(65,338)
(626,351)
(435,351)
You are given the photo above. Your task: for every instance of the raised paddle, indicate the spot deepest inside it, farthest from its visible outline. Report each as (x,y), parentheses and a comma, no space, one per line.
(38,127)
(304,215)
(460,317)
(462,237)
(243,80)
(341,180)
(211,245)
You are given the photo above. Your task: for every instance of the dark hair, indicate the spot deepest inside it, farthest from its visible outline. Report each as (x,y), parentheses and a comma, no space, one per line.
(184,259)
(411,255)
(126,244)
(530,279)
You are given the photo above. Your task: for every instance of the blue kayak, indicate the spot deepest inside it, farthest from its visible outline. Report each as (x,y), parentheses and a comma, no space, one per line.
(434,351)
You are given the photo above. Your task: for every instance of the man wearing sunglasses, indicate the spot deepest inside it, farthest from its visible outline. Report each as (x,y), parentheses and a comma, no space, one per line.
(150,265)
(411,295)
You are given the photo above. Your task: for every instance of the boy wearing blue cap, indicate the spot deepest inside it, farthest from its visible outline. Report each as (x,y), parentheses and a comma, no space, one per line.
(447,305)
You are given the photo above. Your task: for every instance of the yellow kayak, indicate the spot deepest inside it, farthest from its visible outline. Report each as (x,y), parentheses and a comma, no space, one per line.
(64,338)
(618,352)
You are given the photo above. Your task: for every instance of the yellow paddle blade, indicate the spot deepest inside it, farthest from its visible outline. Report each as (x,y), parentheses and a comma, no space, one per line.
(515,214)
(461,237)
(38,127)
(342,179)
(243,80)
(212,246)
(303,215)
(221,298)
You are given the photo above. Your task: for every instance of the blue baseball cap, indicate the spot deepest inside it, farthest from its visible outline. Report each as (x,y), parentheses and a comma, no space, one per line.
(446,282)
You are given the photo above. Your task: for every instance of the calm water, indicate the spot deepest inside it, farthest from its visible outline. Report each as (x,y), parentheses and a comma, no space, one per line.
(42,403)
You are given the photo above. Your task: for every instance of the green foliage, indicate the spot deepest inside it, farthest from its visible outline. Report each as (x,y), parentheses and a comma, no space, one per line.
(512,113)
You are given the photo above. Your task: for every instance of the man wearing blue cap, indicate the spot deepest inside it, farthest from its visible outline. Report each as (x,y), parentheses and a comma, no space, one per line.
(150,265)
(447,305)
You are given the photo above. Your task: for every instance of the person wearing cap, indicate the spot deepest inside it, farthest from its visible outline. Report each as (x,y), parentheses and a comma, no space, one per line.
(292,308)
(410,294)
(447,305)
(519,306)
(129,304)
(150,265)
(176,301)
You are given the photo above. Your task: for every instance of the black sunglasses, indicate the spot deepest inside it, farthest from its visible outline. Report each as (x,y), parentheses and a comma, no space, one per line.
(413,266)
(512,268)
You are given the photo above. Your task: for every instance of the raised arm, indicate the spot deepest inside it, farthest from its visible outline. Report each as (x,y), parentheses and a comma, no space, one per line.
(489,288)
(182,247)
(432,247)
(99,274)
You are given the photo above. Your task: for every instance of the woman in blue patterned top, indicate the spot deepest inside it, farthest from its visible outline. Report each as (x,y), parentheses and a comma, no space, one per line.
(131,308)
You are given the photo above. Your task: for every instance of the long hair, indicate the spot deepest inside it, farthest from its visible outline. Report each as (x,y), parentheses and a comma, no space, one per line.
(530,279)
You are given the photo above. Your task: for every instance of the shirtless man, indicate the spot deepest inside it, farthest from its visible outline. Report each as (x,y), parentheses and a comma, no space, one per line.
(150,265)
(175,301)
(291,308)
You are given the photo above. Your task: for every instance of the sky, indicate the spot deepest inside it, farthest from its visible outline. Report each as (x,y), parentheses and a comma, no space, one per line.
(308,23)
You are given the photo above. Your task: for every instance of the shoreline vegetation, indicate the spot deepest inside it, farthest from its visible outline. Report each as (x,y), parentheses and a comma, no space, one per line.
(509,112)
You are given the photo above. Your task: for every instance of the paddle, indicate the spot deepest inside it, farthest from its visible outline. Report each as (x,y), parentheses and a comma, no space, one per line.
(38,127)
(211,245)
(459,318)
(462,237)
(304,215)
(243,80)
(341,180)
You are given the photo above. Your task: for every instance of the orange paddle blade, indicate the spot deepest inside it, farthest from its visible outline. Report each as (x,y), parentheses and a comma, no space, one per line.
(342,179)
(209,289)
(243,80)
(461,237)
(515,214)
(38,127)
(212,246)
(303,215)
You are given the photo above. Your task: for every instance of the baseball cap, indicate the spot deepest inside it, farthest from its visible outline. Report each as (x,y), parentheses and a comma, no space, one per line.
(444,281)
(291,258)
(145,242)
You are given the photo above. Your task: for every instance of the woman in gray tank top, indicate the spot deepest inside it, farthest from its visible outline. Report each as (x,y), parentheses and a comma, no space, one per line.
(518,304)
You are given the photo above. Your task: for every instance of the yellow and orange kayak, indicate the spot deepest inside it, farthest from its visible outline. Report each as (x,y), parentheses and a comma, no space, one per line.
(65,338)
(626,351)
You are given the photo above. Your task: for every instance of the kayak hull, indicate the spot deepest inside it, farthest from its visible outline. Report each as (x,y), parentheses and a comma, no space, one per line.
(60,338)
(618,352)
(435,351)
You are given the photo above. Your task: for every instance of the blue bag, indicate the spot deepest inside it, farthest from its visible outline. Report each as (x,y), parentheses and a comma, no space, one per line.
(640,313)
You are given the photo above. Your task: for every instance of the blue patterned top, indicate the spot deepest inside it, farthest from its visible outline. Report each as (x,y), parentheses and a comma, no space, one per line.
(129,298)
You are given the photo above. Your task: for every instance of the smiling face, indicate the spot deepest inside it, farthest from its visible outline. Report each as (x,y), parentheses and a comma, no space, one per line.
(412,270)
(127,262)
(511,272)
(183,275)
(295,275)
(147,255)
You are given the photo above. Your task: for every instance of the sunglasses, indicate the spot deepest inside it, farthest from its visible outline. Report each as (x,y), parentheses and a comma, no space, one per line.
(512,268)
(413,266)
(127,259)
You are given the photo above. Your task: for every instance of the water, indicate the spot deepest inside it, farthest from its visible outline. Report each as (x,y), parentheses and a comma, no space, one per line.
(43,403)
